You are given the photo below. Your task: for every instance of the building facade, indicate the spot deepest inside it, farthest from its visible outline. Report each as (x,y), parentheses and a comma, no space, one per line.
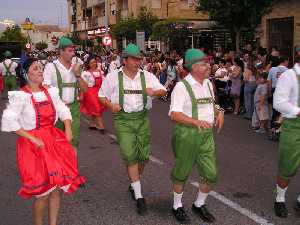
(45,33)
(281,27)
(87,17)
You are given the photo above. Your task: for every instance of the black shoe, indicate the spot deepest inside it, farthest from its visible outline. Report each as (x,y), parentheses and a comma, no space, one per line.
(131,191)
(181,216)
(297,209)
(92,128)
(280,209)
(141,206)
(204,214)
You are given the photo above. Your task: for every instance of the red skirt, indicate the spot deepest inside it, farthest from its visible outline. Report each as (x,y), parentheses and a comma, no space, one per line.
(1,83)
(90,104)
(42,170)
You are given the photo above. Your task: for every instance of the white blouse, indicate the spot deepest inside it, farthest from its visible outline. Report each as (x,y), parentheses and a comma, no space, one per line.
(89,78)
(20,112)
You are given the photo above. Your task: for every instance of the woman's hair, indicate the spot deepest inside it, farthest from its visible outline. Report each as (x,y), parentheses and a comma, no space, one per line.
(28,62)
(89,59)
(24,70)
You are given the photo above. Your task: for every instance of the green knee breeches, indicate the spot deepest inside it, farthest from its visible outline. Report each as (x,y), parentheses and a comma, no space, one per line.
(190,147)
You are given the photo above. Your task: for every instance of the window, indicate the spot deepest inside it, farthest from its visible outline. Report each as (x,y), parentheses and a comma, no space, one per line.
(156,4)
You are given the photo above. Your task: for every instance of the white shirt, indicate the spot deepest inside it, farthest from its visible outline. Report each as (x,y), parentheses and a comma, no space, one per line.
(287,93)
(12,68)
(20,112)
(181,100)
(88,77)
(113,66)
(50,79)
(132,102)
(76,60)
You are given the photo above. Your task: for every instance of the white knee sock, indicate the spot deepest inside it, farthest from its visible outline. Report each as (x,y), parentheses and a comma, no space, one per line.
(201,199)
(280,197)
(177,200)
(137,189)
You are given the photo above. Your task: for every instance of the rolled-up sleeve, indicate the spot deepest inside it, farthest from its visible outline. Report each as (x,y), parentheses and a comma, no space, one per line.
(178,98)
(155,84)
(106,89)
(11,115)
(282,95)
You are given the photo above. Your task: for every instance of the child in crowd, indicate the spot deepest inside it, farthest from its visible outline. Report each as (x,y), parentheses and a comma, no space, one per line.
(261,109)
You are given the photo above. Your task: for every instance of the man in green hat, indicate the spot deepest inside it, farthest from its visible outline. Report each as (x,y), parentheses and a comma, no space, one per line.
(195,113)
(128,93)
(67,78)
(8,70)
(287,102)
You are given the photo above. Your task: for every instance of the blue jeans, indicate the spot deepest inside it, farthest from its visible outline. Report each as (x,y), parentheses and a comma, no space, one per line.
(249,91)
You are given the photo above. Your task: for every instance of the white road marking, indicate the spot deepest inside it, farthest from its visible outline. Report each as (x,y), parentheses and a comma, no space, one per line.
(155,160)
(251,215)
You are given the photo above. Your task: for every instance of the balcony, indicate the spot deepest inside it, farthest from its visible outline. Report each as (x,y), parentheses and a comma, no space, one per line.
(98,22)
(91,3)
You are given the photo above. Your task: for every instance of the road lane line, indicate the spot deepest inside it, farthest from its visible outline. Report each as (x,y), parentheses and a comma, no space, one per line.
(251,215)
(155,160)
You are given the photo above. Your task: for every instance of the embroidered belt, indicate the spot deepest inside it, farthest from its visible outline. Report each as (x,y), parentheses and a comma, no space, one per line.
(132,92)
(203,101)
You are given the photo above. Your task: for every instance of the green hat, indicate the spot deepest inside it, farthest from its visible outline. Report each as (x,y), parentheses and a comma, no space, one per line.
(64,42)
(133,51)
(192,56)
(298,48)
(7,54)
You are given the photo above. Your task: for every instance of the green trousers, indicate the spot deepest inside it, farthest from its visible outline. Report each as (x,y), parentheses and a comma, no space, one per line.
(289,148)
(133,136)
(74,108)
(192,147)
(10,83)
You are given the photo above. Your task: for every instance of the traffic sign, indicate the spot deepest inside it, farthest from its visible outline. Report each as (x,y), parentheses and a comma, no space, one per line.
(107,40)
(28,46)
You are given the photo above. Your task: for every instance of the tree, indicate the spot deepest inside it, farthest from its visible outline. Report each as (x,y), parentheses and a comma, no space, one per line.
(41,45)
(126,28)
(174,32)
(13,34)
(146,20)
(236,15)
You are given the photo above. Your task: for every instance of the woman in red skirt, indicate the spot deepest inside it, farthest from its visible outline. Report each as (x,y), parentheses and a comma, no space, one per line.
(1,84)
(90,104)
(46,160)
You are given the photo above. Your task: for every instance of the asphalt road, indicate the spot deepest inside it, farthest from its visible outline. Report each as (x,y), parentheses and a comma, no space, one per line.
(244,194)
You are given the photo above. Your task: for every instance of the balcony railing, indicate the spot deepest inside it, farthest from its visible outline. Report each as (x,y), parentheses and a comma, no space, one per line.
(98,21)
(91,3)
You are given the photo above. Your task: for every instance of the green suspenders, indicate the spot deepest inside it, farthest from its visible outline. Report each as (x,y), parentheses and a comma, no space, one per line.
(196,102)
(62,85)
(122,92)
